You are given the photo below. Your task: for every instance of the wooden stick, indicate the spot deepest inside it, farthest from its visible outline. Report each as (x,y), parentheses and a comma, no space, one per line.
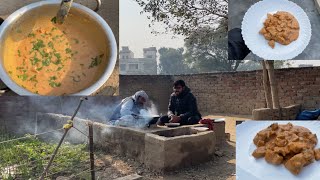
(266,85)
(273,85)
(61,140)
(91,151)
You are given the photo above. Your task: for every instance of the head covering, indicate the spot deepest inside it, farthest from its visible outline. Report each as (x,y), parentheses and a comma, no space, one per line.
(140,93)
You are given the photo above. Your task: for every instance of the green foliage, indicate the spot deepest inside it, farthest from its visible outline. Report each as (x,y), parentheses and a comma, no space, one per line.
(172,62)
(96,61)
(204,24)
(207,50)
(28,158)
(185,16)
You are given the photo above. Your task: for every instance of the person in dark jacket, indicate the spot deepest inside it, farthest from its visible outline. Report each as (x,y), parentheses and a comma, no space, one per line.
(237,49)
(182,107)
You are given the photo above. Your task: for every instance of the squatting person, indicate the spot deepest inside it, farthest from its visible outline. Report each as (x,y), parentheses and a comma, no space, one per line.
(128,111)
(182,107)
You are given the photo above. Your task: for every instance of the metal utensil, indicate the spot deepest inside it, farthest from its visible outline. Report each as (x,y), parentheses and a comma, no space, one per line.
(65,8)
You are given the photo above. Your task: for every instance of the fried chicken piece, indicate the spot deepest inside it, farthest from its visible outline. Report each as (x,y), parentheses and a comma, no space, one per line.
(317,154)
(272,43)
(281,27)
(274,126)
(287,127)
(313,138)
(291,145)
(273,157)
(295,164)
(259,152)
(281,142)
(283,151)
(297,147)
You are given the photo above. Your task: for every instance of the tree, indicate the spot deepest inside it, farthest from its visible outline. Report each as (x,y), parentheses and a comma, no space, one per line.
(203,23)
(185,17)
(172,61)
(207,50)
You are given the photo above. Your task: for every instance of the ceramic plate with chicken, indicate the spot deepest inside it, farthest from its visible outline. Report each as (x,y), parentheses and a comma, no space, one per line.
(278,150)
(276,29)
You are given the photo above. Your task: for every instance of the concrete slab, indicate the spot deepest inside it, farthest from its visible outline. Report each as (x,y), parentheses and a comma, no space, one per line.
(130,177)
(167,152)
(285,113)
(238,9)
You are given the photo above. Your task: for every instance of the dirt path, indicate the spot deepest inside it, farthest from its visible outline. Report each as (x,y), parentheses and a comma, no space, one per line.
(220,167)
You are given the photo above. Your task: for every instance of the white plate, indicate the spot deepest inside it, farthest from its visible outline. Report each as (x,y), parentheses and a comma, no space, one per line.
(249,168)
(201,128)
(253,22)
(172,124)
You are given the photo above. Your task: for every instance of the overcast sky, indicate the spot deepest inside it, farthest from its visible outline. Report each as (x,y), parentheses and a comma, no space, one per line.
(135,31)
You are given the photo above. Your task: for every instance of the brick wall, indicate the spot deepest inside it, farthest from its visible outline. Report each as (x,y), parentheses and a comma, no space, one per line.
(231,92)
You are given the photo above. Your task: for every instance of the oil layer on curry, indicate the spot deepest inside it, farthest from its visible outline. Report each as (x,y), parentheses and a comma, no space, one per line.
(51,59)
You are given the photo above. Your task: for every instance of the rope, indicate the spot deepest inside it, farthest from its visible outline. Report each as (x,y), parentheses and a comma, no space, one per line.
(34,135)
(80,131)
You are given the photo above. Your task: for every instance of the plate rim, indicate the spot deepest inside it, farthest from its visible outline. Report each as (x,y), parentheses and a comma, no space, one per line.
(267,123)
(270,56)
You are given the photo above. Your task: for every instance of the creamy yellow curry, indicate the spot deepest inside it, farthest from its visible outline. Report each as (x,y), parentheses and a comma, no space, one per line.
(51,59)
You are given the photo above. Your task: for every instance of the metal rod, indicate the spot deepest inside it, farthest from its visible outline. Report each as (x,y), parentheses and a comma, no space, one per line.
(91,151)
(53,155)
(61,140)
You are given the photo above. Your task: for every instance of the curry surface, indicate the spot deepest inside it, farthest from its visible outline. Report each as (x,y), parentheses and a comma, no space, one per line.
(51,59)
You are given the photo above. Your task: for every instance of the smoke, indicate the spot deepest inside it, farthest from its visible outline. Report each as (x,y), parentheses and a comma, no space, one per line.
(97,112)
(153,110)
(141,121)
(21,116)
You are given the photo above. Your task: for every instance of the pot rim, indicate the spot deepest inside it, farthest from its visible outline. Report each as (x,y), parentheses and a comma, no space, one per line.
(113,50)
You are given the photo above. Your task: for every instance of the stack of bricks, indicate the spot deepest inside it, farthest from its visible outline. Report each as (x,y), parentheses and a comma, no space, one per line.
(285,113)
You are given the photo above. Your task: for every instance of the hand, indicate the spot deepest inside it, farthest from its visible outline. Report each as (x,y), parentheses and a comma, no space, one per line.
(175,119)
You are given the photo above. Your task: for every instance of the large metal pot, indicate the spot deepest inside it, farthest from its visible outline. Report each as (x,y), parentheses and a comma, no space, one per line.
(19,14)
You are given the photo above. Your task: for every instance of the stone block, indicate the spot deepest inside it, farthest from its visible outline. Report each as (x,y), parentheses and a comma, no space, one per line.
(165,152)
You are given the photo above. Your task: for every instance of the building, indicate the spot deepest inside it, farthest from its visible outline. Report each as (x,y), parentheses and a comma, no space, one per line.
(129,65)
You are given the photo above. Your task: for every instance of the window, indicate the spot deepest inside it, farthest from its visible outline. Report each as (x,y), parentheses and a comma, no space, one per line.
(133,67)
(149,56)
(123,67)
